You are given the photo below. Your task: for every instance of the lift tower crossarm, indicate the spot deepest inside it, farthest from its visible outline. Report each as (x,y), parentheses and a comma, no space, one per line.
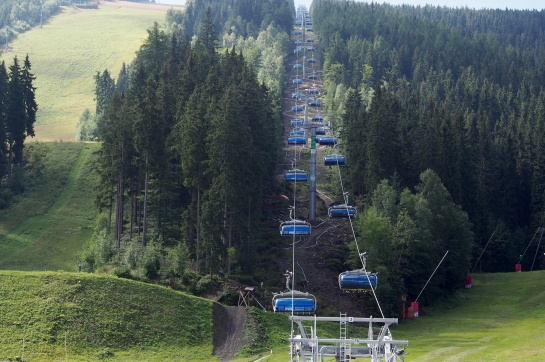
(355,341)
(349,319)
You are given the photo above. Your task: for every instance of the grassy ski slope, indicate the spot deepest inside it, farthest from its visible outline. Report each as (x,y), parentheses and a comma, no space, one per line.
(69,50)
(47,227)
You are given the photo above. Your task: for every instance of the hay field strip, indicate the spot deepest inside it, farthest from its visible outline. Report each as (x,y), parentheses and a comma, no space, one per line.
(69,50)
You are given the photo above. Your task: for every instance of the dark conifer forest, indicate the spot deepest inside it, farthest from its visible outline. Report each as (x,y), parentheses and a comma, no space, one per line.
(190,143)
(456,91)
(245,17)
(440,112)
(17,117)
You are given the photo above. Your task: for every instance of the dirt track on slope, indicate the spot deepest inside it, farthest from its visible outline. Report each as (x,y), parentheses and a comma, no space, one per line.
(314,255)
(229,335)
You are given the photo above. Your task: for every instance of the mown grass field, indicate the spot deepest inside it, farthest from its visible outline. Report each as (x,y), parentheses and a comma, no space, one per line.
(69,50)
(48,226)
(499,319)
(82,317)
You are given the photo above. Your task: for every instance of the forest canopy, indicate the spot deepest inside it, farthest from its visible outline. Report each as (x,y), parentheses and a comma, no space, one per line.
(18,109)
(456,91)
(190,141)
(242,17)
(441,118)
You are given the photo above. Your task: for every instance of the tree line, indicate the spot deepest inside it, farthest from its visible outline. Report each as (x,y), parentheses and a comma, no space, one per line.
(17,117)
(243,17)
(265,52)
(260,29)
(190,141)
(455,92)
(18,16)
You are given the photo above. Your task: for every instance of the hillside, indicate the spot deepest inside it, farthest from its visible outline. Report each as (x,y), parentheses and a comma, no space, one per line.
(47,227)
(85,316)
(499,319)
(82,316)
(68,51)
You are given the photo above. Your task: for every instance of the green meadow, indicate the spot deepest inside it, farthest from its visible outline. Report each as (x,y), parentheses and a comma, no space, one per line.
(48,226)
(69,50)
(58,316)
(54,316)
(499,319)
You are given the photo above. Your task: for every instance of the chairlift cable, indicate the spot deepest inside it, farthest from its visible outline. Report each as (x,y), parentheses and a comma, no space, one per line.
(360,255)
(293,237)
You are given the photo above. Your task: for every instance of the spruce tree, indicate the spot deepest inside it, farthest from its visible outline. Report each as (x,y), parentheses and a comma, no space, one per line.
(229,149)
(192,130)
(123,79)
(207,39)
(3,118)
(538,172)
(104,89)
(16,117)
(149,142)
(382,138)
(154,51)
(31,107)
(355,141)
(115,158)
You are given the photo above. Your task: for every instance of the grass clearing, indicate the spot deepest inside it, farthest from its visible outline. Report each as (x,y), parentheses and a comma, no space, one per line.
(500,319)
(47,226)
(69,50)
(99,317)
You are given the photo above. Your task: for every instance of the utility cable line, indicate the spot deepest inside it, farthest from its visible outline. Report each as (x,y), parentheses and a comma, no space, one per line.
(431,276)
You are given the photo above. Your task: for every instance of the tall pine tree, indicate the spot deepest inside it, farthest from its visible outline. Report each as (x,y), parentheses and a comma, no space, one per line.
(16,117)
(3,118)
